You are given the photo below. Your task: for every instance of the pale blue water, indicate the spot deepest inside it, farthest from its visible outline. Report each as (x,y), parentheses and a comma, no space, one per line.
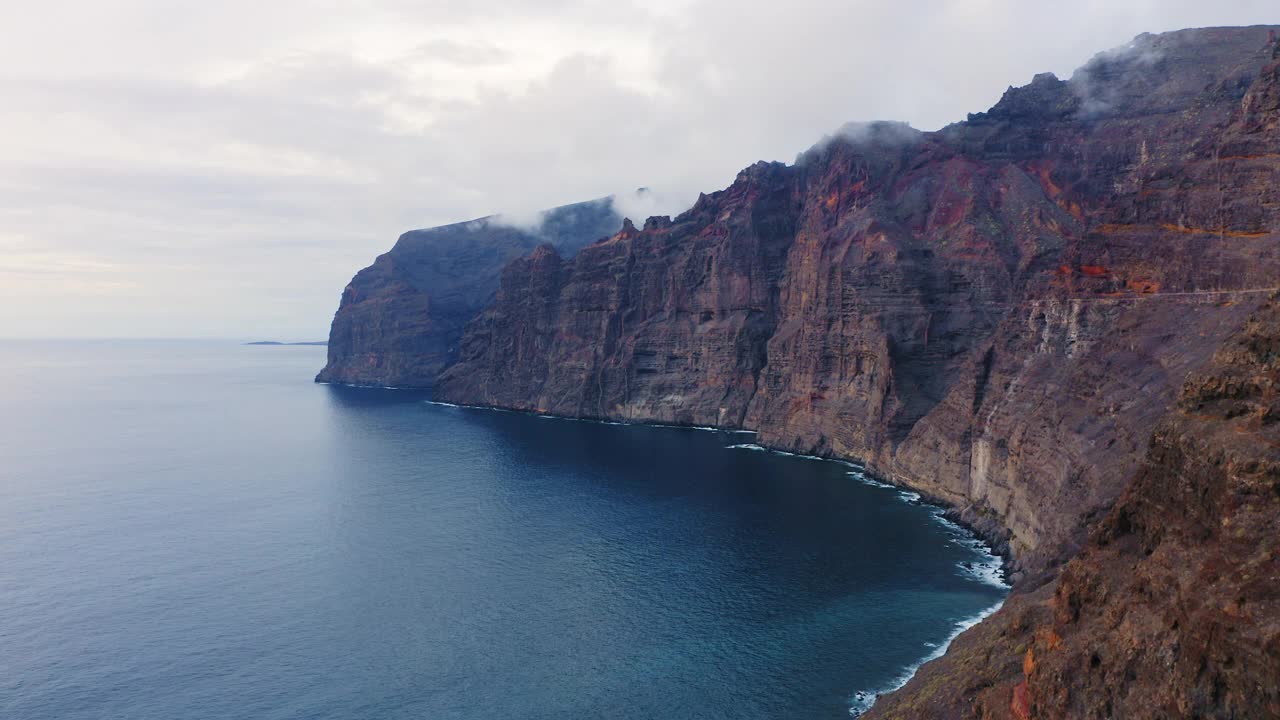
(195,530)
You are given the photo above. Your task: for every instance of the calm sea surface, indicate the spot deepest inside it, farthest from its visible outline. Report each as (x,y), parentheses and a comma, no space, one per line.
(195,530)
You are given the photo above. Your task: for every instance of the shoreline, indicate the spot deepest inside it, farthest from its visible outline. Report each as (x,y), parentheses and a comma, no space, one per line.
(860,701)
(863,700)
(993,541)
(994,574)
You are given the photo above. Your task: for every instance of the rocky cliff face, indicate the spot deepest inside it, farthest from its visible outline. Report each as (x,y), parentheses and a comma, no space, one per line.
(1056,317)
(401,318)
(997,313)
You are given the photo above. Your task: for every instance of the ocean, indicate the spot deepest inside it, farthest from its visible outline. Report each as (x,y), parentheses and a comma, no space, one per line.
(194,529)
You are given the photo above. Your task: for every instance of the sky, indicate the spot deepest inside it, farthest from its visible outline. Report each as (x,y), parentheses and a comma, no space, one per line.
(221,169)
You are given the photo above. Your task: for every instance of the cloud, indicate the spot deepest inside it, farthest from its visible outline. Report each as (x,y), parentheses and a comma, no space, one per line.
(644,203)
(232,164)
(1095,81)
(460,53)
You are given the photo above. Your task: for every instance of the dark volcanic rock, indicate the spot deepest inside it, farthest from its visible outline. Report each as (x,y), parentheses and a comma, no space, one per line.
(401,318)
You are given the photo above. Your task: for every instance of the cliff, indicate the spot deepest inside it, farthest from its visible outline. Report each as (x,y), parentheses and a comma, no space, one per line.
(400,319)
(996,314)
(1057,317)
(1053,317)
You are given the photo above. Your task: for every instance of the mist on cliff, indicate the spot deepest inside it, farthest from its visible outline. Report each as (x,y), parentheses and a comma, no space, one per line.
(637,205)
(1090,81)
(222,169)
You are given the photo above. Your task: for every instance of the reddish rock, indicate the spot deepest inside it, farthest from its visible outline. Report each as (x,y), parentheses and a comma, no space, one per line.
(1021,704)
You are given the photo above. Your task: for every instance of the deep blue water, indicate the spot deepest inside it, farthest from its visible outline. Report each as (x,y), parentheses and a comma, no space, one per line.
(196,530)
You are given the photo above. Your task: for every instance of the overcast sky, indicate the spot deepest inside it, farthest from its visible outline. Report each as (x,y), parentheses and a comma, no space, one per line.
(197,169)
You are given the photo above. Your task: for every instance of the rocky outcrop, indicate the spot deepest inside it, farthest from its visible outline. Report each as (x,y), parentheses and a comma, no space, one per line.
(665,323)
(996,314)
(401,318)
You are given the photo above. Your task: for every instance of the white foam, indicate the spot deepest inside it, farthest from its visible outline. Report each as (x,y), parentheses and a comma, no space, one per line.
(746,446)
(682,427)
(364,386)
(798,455)
(862,700)
(705,428)
(865,479)
(990,572)
(987,569)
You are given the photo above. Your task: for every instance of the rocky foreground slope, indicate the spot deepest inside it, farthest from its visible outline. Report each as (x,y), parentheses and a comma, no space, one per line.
(400,319)
(1057,317)
(1172,609)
